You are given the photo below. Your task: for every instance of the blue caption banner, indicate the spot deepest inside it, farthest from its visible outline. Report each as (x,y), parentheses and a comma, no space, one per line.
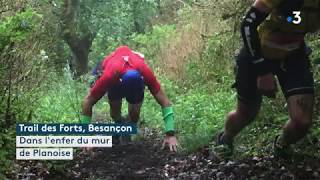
(75,129)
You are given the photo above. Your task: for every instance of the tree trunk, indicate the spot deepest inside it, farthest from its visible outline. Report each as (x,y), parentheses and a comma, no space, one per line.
(79,43)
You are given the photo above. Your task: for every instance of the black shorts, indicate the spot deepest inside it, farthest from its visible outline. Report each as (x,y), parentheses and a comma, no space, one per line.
(294,76)
(134,95)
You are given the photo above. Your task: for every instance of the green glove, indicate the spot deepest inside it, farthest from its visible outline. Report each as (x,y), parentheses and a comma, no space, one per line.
(85,119)
(167,113)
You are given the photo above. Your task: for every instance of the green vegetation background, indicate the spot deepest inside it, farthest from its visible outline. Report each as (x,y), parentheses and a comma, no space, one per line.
(189,44)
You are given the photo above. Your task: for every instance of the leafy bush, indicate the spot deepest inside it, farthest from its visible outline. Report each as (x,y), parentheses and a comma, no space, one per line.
(61,99)
(17,27)
(14,31)
(7,151)
(150,43)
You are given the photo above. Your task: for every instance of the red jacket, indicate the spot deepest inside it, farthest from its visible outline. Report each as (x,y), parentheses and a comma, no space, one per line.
(118,63)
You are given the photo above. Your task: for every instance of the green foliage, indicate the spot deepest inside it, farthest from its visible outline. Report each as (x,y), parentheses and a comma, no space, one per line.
(15,29)
(61,99)
(216,63)
(7,151)
(115,22)
(198,114)
(151,42)
(201,100)
(148,43)
(116,18)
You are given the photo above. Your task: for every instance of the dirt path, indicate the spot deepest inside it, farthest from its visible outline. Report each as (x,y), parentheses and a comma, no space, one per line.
(145,160)
(140,160)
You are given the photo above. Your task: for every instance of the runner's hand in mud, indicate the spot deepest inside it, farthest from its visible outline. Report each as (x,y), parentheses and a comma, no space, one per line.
(267,85)
(170,141)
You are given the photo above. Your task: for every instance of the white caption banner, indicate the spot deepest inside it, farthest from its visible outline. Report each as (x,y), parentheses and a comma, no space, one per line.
(63,141)
(44,153)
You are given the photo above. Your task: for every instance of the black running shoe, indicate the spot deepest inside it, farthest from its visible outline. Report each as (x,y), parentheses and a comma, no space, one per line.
(221,149)
(281,151)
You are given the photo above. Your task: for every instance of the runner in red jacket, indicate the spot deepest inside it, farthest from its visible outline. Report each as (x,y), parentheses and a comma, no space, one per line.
(124,75)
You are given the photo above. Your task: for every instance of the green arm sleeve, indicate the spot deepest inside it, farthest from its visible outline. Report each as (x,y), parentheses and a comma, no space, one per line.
(85,119)
(168,118)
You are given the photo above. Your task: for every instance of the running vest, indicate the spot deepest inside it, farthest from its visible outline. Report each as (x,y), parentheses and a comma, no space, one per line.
(280,22)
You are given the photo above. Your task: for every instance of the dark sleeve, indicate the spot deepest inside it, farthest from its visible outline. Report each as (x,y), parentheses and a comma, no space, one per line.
(251,39)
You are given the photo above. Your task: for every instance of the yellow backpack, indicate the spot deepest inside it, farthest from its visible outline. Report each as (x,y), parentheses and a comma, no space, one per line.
(309,14)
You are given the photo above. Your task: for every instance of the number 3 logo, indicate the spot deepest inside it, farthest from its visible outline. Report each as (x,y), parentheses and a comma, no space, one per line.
(297,16)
